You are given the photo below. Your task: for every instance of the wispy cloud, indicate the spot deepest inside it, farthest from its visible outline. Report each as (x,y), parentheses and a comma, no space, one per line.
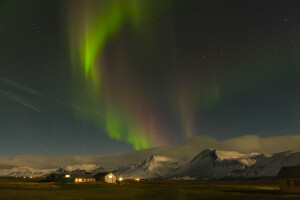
(19,86)
(77,108)
(20,100)
(25,102)
(248,143)
(82,109)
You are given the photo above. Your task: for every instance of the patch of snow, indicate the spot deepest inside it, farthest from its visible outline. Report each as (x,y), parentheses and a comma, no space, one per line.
(25,172)
(152,167)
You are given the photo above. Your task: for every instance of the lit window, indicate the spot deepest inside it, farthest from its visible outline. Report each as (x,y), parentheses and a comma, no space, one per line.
(76,179)
(137,179)
(79,180)
(67,176)
(110,176)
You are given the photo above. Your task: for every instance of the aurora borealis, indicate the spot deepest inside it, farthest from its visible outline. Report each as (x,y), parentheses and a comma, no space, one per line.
(97,24)
(111,76)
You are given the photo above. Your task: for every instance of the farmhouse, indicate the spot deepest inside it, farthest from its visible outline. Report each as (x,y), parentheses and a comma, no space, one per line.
(106,177)
(71,178)
(79,177)
(289,179)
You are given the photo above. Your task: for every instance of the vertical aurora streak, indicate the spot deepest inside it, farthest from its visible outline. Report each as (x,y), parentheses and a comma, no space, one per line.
(101,22)
(92,26)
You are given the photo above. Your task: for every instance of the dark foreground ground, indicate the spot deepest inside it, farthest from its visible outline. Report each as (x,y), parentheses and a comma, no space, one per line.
(14,189)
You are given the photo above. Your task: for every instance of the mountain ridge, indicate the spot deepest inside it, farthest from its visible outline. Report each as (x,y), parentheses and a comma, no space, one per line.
(207,164)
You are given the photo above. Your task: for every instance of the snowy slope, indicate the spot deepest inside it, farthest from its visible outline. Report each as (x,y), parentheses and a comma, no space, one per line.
(209,163)
(269,166)
(92,168)
(152,167)
(214,164)
(31,172)
(78,168)
(25,172)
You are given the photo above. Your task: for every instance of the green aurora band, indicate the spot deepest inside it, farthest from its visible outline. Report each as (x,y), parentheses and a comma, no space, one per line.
(92,25)
(101,23)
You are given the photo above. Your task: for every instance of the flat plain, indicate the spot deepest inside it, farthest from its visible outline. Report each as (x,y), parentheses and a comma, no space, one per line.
(27,189)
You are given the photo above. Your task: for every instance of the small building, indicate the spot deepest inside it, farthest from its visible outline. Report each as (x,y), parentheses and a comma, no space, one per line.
(289,179)
(80,178)
(60,178)
(106,177)
(70,178)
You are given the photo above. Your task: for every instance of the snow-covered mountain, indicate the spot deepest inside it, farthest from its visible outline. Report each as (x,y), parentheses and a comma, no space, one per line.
(25,172)
(268,166)
(94,168)
(31,172)
(214,164)
(152,167)
(208,164)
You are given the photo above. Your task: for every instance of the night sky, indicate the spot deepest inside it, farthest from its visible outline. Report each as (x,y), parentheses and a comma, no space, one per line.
(86,77)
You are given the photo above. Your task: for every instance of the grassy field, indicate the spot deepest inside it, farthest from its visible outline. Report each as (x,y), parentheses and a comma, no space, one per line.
(14,189)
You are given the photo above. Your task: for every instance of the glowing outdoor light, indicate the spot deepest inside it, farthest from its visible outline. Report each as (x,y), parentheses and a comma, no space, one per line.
(110,176)
(67,176)
(79,179)
(120,179)
(137,179)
